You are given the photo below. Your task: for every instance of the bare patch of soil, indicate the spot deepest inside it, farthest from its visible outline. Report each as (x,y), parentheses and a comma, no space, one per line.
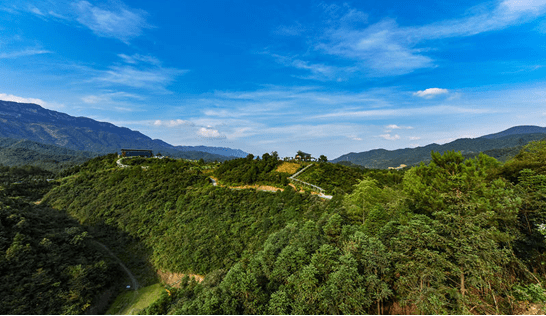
(258,187)
(288,167)
(526,308)
(173,279)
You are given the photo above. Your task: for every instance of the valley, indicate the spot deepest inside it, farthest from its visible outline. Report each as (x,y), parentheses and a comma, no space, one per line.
(458,232)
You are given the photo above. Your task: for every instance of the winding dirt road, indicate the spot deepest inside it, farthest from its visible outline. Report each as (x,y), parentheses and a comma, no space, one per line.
(134,281)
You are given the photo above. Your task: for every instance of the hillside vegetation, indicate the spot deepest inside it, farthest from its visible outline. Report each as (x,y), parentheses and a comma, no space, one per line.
(455,236)
(172,208)
(48,263)
(268,170)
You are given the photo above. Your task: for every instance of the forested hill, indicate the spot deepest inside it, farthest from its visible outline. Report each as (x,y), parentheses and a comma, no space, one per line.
(48,261)
(455,236)
(33,122)
(517,130)
(17,152)
(497,146)
(268,170)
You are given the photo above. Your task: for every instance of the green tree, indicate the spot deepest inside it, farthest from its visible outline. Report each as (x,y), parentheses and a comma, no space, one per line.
(366,195)
(467,224)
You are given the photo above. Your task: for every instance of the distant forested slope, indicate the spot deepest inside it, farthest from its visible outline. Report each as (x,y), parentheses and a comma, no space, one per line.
(498,147)
(17,152)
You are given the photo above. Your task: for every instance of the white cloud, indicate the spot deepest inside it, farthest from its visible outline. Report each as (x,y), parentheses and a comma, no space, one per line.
(432,110)
(173,123)
(137,58)
(23,53)
(35,10)
(119,22)
(430,93)
(152,78)
(389,137)
(209,133)
(385,48)
(414,137)
(109,98)
(394,126)
(13,98)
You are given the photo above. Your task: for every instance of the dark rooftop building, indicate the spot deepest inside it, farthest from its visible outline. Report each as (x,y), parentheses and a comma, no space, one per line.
(137,153)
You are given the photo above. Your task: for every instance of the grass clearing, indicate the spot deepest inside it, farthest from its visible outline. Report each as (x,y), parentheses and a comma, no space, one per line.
(288,167)
(131,302)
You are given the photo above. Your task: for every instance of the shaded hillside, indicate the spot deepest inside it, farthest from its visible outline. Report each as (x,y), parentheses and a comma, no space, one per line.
(48,262)
(469,147)
(33,122)
(17,152)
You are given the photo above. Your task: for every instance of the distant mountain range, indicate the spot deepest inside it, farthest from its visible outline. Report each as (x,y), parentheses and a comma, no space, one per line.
(33,122)
(502,146)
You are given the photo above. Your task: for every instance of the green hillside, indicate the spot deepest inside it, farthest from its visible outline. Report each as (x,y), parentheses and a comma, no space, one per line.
(342,179)
(455,236)
(172,208)
(48,261)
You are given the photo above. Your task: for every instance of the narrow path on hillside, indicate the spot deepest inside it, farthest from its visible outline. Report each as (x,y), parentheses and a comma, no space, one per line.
(134,281)
(120,164)
(321,190)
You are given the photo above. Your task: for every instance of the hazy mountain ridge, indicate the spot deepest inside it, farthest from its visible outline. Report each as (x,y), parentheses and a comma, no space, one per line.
(517,130)
(33,122)
(496,145)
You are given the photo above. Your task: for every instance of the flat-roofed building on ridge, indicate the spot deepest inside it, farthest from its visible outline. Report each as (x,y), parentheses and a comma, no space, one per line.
(137,153)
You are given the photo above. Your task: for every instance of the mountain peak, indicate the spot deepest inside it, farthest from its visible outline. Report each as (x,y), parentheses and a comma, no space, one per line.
(517,130)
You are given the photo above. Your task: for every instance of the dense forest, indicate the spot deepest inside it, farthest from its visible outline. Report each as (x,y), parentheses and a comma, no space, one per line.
(454,236)
(48,261)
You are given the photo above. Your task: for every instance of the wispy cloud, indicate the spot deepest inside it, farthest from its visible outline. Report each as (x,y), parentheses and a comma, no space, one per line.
(118,22)
(430,93)
(157,78)
(433,110)
(137,58)
(290,30)
(385,48)
(24,53)
(110,97)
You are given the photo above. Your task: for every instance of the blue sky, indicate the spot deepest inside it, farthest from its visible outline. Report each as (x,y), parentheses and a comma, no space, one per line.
(323,77)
